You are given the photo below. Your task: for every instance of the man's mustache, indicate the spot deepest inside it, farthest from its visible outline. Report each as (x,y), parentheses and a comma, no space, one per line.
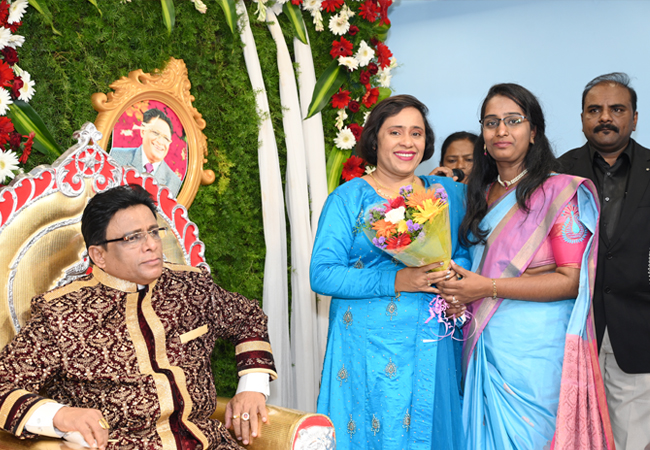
(606,126)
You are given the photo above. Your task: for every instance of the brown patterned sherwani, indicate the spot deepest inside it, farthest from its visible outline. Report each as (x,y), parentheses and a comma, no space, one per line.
(142,358)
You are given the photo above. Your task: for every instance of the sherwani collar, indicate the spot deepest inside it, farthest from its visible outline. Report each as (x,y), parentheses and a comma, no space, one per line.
(114,282)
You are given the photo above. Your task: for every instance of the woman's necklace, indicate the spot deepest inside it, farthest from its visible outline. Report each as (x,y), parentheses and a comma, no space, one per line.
(507,184)
(381,186)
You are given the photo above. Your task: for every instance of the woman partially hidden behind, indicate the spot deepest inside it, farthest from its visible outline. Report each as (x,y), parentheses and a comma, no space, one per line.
(389,381)
(532,379)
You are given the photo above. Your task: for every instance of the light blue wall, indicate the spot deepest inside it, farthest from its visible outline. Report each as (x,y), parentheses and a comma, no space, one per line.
(450,53)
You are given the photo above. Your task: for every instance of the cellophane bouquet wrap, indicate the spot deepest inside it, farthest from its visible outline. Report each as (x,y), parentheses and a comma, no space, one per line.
(413,227)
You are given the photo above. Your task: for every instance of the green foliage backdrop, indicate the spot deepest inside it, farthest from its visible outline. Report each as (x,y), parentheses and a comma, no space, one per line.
(95,50)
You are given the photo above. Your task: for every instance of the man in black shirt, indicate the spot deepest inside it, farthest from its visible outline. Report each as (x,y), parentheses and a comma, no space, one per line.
(620,168)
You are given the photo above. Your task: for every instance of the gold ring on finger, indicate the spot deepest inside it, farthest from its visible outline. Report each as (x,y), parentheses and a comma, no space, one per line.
(245,416)
(236,416)
(104,424)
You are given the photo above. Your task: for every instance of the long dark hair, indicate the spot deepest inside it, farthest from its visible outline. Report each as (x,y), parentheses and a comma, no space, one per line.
(539,160)
(389,107)
(453,137)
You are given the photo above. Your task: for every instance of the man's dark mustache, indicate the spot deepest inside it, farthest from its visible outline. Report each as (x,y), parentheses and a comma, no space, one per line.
(606,126)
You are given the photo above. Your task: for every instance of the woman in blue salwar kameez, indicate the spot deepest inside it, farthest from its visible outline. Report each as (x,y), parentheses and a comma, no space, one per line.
(389,380)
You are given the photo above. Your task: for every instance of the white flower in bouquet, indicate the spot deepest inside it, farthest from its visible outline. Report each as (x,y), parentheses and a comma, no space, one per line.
(16,10)
(396,215)
(312,5)
(199,6)
(345,139)
(5,101)
(346,12)
(339,24)
(16,40)
(8,163)
(385,77)
(340,118)
(5,37)
(349,61)
(365,54)
(27,91)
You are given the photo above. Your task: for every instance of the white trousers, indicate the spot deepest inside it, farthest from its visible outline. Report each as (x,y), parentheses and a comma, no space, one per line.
(628,400)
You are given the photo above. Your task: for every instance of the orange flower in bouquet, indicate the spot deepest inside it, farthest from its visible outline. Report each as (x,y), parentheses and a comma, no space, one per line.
(413,227)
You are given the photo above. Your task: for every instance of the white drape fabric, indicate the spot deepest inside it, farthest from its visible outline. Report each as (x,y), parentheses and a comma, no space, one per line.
(316,173)
(275,294)
(304,347)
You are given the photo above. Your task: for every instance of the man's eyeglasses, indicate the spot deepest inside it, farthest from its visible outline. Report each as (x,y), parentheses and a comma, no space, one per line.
(135,239)
(511,121)
(157,136)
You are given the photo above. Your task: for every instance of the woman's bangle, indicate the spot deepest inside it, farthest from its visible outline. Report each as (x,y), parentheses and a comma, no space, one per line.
(494,289)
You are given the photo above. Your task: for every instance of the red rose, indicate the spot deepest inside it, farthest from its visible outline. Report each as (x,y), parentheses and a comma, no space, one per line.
(383,55)
(370,97)
(331,5)
(364,77)
(372,68)
(341,48)
(369,10)
(15,87)
(6,74)
(354,167)
(6,128)
(398,242)
(356,130)
(354,106)
(296,2)
(341,99)
(353,30)
(10,55)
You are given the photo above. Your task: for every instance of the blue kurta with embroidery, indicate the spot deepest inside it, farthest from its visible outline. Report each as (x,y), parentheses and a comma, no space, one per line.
(389,381)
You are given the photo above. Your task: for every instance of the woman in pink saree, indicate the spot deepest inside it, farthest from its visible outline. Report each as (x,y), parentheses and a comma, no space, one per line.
(530,362)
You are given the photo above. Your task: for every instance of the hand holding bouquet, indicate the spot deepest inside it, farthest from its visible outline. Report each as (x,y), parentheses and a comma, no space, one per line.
(413,227)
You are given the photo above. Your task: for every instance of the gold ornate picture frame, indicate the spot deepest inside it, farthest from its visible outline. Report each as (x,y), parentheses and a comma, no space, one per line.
(150,116)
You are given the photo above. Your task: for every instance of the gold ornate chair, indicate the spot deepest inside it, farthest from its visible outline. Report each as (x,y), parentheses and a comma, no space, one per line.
(42,248)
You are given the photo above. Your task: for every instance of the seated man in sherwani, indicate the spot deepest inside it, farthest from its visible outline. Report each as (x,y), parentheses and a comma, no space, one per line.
(121,357)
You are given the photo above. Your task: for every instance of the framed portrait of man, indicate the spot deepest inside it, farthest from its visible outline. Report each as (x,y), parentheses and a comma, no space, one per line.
(148,122)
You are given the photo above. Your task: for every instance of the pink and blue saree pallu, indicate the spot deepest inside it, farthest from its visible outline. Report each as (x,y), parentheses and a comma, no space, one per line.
(532,379)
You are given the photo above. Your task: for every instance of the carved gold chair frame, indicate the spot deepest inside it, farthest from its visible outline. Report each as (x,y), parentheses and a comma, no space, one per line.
(170,86)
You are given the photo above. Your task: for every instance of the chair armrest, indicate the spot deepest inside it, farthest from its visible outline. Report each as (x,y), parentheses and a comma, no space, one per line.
(285,427)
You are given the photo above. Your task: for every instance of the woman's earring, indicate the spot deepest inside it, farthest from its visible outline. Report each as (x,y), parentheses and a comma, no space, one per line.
(532,141)
(484,149)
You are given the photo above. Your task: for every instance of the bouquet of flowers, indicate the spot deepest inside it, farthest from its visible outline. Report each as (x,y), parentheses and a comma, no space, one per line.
(413,227)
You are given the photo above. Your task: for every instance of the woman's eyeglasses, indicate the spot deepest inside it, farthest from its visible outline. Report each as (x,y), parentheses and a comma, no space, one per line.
(511,121)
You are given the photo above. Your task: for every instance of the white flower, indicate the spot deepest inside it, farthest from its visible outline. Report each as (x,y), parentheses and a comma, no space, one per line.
(261,10)
(16,40)
(349,62)
(318,20)
(364,54)
(370,169)
(395,215)
(276,7)
(5,101)
(339,24)
(384,77)
(393,63)
(346,12)
(365,117)
(199,6)
(8,163)
(345,139)
(312,6)
(16,10)
(27,91)
(341,115)
(5,37)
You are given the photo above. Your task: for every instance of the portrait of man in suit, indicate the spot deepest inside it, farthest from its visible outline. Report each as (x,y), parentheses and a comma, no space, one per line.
(156,131)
